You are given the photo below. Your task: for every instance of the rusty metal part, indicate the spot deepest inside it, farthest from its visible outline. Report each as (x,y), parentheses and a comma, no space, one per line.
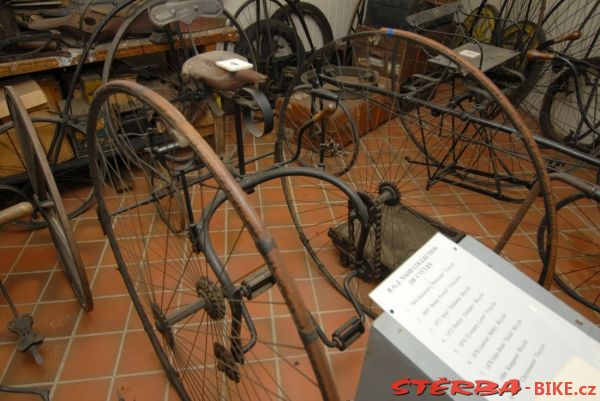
(186,134)
(523,130)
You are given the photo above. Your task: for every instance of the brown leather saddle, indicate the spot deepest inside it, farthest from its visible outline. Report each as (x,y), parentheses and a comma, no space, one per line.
(203,69)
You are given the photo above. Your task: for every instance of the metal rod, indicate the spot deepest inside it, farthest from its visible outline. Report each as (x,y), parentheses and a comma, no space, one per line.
(186,312)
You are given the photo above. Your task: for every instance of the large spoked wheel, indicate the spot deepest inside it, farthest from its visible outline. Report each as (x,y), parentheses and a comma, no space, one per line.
(441,150)
(216,303)
(561,116)
(70,174)
(48,200)
(578,261)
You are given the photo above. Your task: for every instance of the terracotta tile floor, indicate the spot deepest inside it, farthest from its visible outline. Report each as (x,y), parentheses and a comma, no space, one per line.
(106,356)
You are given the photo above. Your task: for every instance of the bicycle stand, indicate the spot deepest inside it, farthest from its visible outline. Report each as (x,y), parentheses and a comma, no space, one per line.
(22,325)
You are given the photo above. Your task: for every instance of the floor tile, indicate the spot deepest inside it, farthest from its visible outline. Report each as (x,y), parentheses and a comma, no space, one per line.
(58,288)
(56,319)
(137,355)
(91,390)
(91,356)
(8,257)
(11,235)
(24,370)
(88,230)
(108,281)
(37,258)
(25,288)
(109,314)
(346,368)
(333,301)
(151,387)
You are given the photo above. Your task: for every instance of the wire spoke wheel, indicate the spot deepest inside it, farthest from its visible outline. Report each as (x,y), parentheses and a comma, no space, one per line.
(217,304)
(47,199)
(570,112)
(440,150)
(578,261)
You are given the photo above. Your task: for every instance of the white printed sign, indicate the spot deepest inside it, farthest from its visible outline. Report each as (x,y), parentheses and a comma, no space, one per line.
(469,53)
(477,322)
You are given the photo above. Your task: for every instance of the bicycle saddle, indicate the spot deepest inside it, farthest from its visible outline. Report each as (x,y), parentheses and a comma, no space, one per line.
(202,68)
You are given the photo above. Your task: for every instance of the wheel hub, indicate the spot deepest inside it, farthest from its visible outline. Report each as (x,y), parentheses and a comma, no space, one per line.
(161,325)
(389,194)
(215,301)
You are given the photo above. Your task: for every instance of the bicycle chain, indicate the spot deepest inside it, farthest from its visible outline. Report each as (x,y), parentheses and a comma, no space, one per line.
(376,269)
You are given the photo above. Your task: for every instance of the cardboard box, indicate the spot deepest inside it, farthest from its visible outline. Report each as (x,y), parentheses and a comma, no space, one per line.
(89,82)
(31,94)
(10,152)
(52,90)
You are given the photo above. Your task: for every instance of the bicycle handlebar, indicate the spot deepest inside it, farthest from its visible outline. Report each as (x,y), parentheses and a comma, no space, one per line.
(16,212)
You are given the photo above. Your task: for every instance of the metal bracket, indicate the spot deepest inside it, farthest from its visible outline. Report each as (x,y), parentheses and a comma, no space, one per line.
(185,11)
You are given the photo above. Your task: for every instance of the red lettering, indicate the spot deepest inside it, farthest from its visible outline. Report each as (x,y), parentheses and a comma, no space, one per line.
(539,388)
(568,388)
(421,385)
(398,386)
(439,387)
(512,386)
(461,387)
(592,390)
(556,388)
(485,387)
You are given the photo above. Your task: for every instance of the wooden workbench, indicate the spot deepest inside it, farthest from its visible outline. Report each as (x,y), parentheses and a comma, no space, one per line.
(131,47)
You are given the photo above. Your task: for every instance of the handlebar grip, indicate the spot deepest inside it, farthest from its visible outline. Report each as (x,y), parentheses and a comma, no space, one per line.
(567,37)
(538,55)
(16,212)
(328,109)
(325,94)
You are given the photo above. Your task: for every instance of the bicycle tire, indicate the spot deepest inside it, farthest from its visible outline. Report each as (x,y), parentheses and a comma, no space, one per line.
(49,201)
(154,278)
(69,179)
(566,128)
(308,11)
(577,271)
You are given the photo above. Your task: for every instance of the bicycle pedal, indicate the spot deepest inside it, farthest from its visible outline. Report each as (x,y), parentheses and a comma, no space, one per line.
(257,282)
(348,333)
